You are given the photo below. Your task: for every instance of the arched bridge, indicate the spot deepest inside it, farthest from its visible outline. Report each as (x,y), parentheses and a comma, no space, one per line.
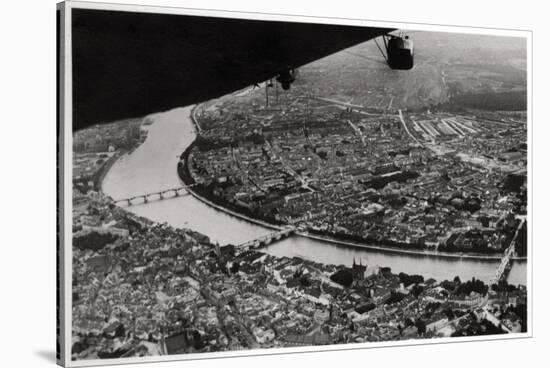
(267,239)
(159,195)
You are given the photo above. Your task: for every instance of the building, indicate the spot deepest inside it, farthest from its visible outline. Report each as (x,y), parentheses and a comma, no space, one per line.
(358,270)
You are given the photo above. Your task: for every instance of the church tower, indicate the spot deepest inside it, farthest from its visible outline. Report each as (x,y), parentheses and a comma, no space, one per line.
(358,270)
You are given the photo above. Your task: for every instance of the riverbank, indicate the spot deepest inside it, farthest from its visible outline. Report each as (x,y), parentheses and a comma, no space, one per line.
(151,167)
(186,177)
(233,213)
(426,253)
(98,183)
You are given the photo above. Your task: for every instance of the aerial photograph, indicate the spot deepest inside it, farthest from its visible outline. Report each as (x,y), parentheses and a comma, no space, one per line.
(377,193)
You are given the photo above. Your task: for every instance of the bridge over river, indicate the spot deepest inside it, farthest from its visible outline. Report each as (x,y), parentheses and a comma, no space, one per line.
(151,167)
(267,239)
(506,261)
(158,195)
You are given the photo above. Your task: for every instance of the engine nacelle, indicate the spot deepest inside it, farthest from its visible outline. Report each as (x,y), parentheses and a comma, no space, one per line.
(286,78)
(400,53)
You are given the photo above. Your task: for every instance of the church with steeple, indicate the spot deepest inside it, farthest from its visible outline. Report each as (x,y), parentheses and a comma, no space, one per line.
(358,270)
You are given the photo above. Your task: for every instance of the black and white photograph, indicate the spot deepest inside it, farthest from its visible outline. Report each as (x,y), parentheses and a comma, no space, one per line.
(242,183)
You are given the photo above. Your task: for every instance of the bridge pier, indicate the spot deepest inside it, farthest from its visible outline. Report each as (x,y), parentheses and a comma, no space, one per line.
(267,239)
(165,194)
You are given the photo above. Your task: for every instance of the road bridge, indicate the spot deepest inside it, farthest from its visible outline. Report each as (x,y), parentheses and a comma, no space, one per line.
(158,195)
(506,260)
(267,239)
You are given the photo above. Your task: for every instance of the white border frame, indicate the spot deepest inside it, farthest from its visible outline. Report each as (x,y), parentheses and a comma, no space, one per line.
(66,128)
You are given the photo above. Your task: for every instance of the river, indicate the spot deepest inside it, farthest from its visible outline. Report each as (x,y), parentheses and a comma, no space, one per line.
(152,167)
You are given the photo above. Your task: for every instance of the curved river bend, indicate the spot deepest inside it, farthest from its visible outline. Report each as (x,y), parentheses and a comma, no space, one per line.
(152,167)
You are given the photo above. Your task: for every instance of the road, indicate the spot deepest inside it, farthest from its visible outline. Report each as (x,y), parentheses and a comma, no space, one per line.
(358,131)
(406,128)
(289,169)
